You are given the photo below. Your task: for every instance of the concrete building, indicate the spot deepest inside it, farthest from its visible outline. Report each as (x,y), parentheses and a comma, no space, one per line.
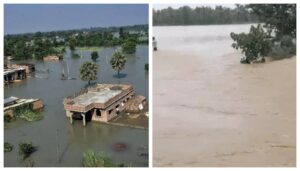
(101,102)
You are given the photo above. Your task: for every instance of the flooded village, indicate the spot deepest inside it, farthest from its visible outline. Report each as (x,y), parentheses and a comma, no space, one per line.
(64,120)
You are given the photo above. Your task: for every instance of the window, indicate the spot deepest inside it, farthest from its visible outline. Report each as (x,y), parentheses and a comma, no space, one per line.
(98,113)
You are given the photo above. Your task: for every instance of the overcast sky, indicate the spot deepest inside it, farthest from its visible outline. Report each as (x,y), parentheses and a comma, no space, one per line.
(162,6)
(23,18)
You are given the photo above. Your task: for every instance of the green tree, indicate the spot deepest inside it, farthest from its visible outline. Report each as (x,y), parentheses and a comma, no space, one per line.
(118,61)
(88,72)
(129,47)
(94,55)
(121,33)
(72,44)
(253,45)
(20,51)
(279,21)
(280,18)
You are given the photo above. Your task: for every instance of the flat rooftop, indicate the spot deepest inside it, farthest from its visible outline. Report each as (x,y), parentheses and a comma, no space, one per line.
(96,97)
(101,95)
(12,70)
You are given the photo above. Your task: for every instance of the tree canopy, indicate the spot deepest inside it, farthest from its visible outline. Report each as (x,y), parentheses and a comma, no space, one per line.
(278,38)
(253,45)
(40,44)
(88,71)
(202,16)
(129,46)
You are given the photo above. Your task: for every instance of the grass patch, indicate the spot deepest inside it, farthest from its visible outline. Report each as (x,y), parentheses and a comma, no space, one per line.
(30,115)
(8,147)
(93,159)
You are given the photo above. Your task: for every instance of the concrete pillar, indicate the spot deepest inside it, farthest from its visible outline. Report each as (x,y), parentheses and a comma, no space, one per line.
(70,115)
(71,119)
(83,119)
(95,113)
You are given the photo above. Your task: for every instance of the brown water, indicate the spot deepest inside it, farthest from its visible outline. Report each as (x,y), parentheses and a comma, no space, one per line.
(210,110)
(62,144)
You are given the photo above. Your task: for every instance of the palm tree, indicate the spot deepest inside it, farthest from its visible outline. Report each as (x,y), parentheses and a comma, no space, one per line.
(118,61)
(88,71)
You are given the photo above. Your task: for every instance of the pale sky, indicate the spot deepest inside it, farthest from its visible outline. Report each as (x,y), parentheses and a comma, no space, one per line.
(176,6)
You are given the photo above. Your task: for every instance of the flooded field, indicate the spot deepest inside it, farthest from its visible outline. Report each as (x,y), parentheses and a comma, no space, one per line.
(62,144)
(210,110)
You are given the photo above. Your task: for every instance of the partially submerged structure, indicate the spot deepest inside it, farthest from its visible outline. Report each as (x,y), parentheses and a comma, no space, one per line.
(27,66)
(14,103)
(101,102)
(53,58)
(12,75)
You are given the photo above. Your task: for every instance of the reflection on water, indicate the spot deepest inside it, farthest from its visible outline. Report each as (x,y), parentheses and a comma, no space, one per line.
(62,144)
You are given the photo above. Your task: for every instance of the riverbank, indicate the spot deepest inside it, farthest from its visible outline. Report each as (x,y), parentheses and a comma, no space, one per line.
(224,113)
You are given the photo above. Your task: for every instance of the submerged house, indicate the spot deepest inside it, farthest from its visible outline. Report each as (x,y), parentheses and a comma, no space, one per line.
(53,57)
(101,102)
(13,103)
(28,67)
(12,75)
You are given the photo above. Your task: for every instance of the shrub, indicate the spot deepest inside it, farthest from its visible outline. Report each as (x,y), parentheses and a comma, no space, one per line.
(30,115)
(94,55)
(26,149)
(129,47)
(8,118)
(254,44)
(146,67)
(8,147)
(92,159)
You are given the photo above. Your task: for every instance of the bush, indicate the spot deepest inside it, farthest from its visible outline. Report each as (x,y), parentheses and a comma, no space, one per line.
(129,47)
(30,115)
(94,55)
(255,44)
(92,159)
(26,149)
(8,147)
(75,55)
(8,118)
(146,67)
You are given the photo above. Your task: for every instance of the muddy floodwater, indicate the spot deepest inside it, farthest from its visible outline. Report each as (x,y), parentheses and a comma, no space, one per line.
(62,144)
(210,110)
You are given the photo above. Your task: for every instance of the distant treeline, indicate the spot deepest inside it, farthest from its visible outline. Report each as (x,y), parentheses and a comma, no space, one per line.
(39,44)
(202,16)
